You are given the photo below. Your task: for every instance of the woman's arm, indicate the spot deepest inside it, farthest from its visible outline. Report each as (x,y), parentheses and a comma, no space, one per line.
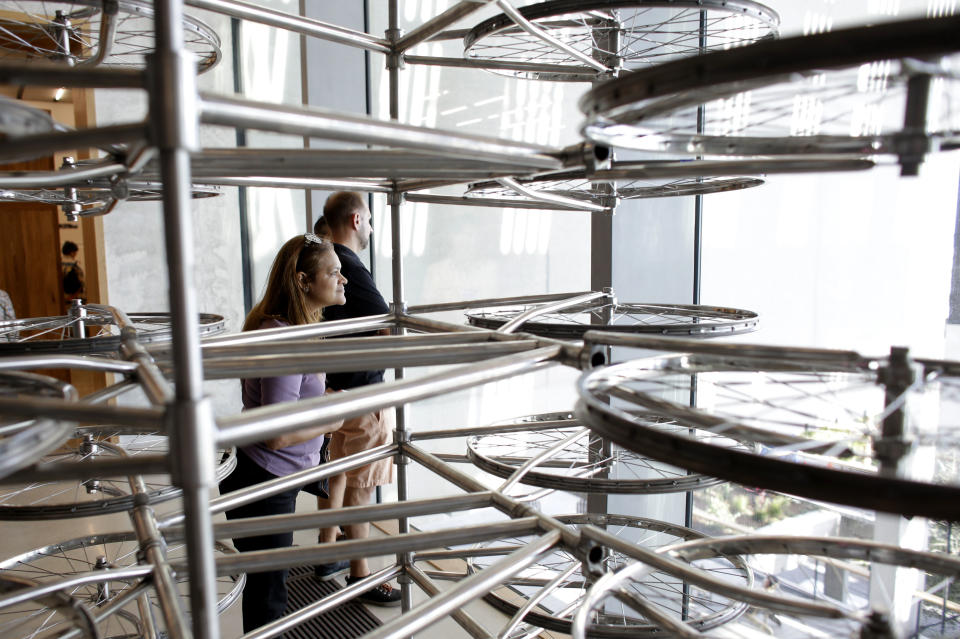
(305,434)
(286,388)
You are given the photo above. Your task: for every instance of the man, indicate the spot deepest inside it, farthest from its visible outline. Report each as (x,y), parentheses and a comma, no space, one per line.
(347,221)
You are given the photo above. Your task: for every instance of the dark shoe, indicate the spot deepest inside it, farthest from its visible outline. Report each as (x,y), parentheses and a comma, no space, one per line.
(383,595)
(326,572)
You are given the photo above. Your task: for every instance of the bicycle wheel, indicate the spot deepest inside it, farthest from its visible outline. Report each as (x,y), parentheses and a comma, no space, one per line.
(810,421)
(662,319)
(583,467)
(100,192)
(844,92)
(573,185)
(96,495)
(705,610)
(71,30)
(45,617)
(17,118)
(618,33)
(794,564)
(22,442)
(56,334)
(98,552)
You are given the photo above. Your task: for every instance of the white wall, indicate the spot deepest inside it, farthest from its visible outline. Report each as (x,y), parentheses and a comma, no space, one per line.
(133,233)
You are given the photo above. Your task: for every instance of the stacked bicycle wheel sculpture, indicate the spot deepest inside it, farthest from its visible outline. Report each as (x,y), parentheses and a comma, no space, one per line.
(828,425)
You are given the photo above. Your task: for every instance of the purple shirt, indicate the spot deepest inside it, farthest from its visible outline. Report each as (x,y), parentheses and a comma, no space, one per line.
(274,390)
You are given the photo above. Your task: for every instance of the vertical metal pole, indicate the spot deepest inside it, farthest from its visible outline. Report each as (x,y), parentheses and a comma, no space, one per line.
(697,265)
(606,39)
(246,251)
(173,115)
(402,434)
(889,585)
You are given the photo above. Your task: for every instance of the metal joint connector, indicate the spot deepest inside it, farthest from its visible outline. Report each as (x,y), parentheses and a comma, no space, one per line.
(593,157)
(396,61)
(899,373)
(110,7)
(395,198)
(594,558)
(398,308)
(892,450)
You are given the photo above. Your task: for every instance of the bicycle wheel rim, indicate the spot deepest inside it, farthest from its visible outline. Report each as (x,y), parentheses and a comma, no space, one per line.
(674,31)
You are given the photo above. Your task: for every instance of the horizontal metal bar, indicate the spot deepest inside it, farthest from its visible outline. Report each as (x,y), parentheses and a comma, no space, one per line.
(465,621)
(262,560)
(410,184)
(425,325)
(297,24)
(75,362)
(266,422)
(495,301)
(357,165)
(320,329)
(466,591)
(550,307)
(122,467)
(332,125)
(452,458)
(39,73)
(213,351)
(739,350)
(548,198)
(80,412)
(257,492)
(510,506)
(253,526)
(502,203)
(338,598)
(29,146)
(110,392)
(720,168)
(380,186)
(346,360)
(63,177)
(438,23)
(457,553)
(499,65)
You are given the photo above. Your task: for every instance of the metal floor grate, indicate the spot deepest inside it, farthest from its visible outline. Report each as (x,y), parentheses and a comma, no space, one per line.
(346,621)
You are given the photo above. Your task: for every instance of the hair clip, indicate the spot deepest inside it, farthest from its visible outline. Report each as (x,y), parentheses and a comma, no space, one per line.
(310,238)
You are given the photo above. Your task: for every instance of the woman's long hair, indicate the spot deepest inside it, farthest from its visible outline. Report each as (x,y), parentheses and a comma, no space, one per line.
(283,298)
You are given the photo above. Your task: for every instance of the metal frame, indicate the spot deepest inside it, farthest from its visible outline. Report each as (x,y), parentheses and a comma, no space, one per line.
(176,110)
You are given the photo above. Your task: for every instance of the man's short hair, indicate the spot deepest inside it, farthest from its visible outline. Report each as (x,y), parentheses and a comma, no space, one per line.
(341,206)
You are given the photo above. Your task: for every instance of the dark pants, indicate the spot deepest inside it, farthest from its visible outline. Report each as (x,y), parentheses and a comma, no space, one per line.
(265,594)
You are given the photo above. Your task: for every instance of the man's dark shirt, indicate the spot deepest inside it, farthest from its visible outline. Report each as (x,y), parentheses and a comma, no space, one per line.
(363,299)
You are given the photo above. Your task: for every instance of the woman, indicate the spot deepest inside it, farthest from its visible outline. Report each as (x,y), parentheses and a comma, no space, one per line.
(305,277)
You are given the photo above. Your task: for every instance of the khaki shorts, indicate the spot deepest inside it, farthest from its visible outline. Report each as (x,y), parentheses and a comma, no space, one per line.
(363,433)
